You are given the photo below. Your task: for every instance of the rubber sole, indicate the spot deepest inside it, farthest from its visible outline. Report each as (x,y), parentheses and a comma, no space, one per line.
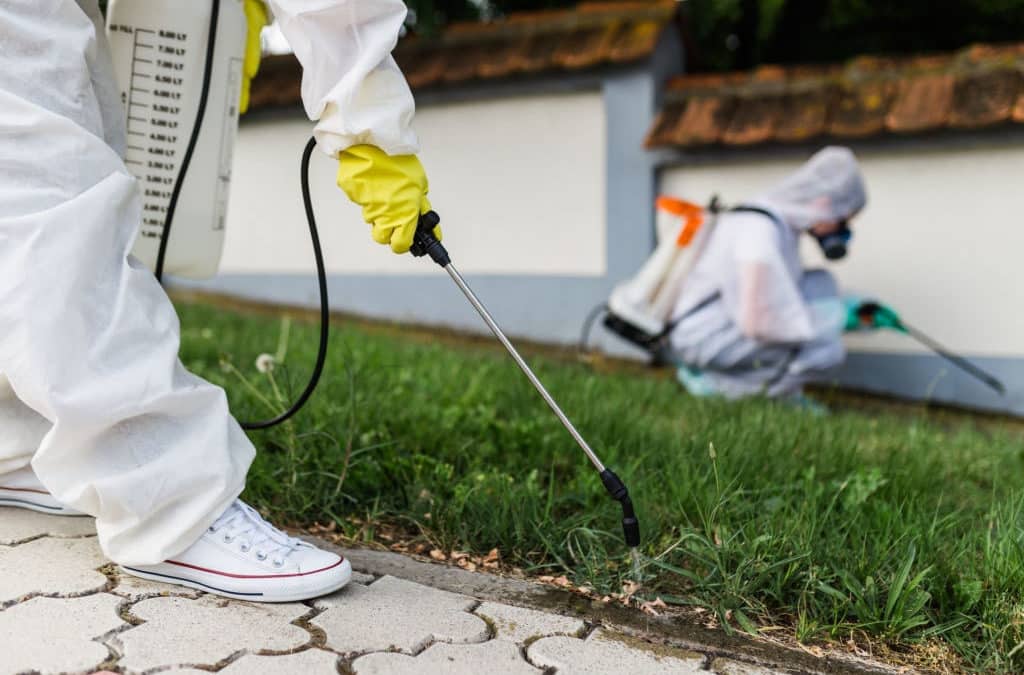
(251,596)
(35,501)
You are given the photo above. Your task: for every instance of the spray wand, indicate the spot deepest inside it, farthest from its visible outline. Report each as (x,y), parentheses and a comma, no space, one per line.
(873,313)
(426,244)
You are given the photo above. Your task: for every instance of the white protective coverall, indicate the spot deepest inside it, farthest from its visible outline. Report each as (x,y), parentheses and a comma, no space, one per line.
(95,400)
(750,318)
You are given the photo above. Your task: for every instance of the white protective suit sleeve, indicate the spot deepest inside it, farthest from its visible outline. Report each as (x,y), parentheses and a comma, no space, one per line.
(350,83)
(768,305)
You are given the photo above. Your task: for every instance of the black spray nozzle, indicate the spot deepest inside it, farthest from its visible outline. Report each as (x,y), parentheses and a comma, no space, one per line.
(424,242)
(617,489)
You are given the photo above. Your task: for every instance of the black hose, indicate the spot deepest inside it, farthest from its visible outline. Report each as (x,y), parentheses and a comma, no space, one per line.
(204,94)
(325,310)
(307,201)
(583,349)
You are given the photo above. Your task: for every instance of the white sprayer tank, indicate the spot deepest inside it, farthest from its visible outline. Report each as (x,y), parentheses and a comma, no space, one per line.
(159,50)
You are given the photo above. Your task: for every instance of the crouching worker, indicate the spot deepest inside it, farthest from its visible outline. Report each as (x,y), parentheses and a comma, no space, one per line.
(751,320)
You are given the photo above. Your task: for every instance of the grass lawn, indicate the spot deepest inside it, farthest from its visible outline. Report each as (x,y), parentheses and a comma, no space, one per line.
(892,529)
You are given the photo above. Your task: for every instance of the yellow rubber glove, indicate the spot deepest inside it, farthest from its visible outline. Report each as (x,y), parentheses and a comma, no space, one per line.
(391,189)
(256,18)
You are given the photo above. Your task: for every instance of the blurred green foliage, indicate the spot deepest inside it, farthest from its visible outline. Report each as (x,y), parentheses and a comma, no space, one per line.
(737,34)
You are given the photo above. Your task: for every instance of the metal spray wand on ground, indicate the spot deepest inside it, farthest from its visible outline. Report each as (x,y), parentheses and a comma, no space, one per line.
(425,243)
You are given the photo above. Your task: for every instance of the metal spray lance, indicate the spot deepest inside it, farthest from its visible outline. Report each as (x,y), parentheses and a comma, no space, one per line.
(426,244)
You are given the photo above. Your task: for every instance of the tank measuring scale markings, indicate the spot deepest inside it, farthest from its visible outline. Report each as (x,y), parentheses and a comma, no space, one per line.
(160,60)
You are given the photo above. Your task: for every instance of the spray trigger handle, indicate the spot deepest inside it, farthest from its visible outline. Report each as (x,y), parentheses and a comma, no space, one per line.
(617,490)
(880,316)
(425,243)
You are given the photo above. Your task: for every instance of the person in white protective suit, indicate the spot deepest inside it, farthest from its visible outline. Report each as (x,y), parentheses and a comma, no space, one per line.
(750,319)
(97,414)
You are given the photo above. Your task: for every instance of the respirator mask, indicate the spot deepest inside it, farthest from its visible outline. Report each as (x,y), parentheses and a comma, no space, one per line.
(834,244)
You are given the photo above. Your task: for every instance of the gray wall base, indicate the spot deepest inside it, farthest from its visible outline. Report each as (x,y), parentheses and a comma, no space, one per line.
(526,307)
(926,377)
(549,309)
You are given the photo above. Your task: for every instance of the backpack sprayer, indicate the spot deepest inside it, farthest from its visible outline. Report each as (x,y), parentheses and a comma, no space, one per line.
(172,64)
(640,309)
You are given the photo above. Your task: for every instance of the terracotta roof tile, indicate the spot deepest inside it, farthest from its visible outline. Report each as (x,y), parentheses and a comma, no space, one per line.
(804,116)
(705,83)
(586,47)
(664,126)
(811,92)
(497,63)
(758,108)
(985,98)
(536,53)
(636,40)
(994,54)
(423,68)
(701,121)
(922,102)
(754,120)
(465,67)
(861,108)
(590,35)
(979,86)
(526,43)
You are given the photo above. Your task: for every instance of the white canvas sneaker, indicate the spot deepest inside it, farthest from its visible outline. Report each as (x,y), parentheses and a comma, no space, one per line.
(21,489)
(243,556)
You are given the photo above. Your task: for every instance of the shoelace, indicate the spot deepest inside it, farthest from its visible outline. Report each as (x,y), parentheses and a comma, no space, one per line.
(241,521)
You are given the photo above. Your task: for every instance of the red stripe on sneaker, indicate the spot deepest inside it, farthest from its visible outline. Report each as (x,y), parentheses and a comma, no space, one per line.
(253,576)
(38,492)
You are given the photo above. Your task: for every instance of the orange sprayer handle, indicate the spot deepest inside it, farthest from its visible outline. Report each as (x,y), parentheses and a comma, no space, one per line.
(691,214)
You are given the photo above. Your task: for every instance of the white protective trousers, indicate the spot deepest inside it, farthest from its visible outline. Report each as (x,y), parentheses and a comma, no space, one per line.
(97,402)
(92,395)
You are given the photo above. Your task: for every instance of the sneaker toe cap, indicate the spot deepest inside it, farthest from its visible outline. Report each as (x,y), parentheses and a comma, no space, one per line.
(315,560)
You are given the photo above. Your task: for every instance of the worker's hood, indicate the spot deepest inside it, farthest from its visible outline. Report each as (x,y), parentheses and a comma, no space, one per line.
(827,188)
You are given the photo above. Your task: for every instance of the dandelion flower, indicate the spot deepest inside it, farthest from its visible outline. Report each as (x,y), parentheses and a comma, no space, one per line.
(265,363)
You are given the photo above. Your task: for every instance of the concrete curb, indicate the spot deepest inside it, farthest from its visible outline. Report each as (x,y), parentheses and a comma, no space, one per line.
(664,630)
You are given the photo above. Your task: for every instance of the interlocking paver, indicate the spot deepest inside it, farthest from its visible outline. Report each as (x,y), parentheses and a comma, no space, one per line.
(396,614)
(21,524)
(603,652)
(51,567)
(496,657)
(182,631)
(56,634)
(309,662)
(519,625)
(730,667)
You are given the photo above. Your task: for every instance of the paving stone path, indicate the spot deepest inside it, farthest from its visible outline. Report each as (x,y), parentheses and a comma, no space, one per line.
(66,609)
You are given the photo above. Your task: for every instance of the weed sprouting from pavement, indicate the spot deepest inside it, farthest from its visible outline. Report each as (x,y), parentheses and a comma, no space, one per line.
(895,528)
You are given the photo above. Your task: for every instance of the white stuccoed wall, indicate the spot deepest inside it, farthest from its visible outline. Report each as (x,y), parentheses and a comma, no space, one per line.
(528,171)
(942,240)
